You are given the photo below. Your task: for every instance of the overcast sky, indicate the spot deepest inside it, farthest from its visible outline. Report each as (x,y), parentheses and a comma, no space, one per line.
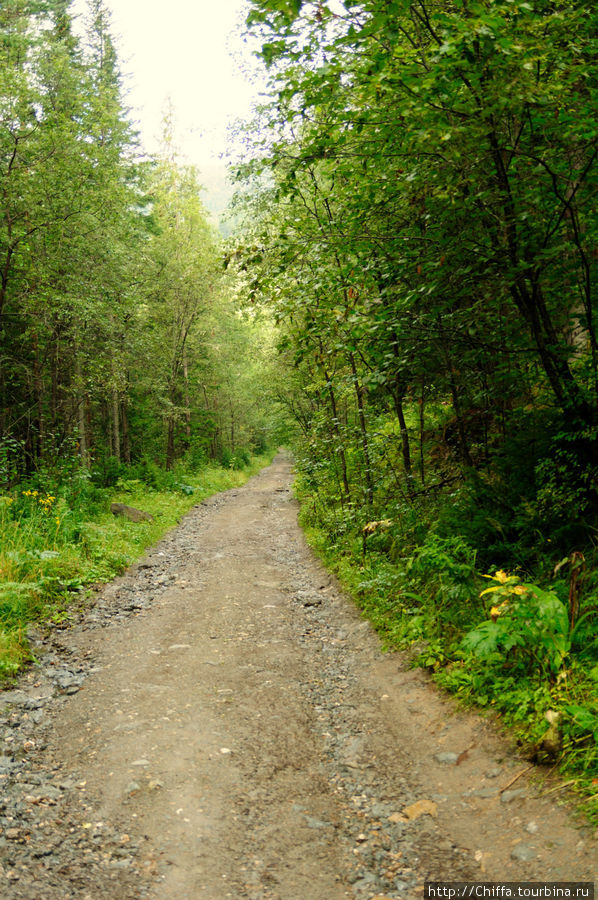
(190,50)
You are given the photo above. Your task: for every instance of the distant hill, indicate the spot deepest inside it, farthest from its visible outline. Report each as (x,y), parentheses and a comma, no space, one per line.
(218,192)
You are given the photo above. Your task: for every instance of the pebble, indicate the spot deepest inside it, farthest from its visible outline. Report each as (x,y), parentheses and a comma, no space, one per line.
(34,702)
(447,759)
(308,598)
(523,853)
(381,810)
(483,792)
(389,849)
(42,827)
(365,883)
(509,796)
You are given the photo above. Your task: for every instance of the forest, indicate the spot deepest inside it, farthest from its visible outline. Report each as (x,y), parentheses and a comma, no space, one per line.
(128,371)
(406,299)
(420,194)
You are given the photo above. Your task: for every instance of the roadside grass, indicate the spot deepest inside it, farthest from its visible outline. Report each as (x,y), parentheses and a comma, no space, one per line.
(542,685)
(57,540)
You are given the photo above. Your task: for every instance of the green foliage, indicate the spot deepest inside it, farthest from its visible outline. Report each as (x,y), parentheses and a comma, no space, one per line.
(529,629)
(583,722)
(52,546)
(523,661)
(120,335)
(151,474)
(185,489)
(106,471)
(444,568)
(421,223)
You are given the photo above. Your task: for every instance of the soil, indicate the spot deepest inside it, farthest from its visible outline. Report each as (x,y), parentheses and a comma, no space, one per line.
(222,723)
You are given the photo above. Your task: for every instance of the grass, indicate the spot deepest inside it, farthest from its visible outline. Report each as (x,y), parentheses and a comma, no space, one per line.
(58,539)
(426,602)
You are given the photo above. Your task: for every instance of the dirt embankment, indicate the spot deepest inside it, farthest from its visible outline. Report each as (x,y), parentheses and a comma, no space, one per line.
(223,724)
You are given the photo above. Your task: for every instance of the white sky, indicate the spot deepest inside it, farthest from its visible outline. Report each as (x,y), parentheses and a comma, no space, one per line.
(192,52)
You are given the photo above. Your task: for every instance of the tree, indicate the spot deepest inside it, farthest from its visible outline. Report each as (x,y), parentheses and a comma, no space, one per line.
(437,174)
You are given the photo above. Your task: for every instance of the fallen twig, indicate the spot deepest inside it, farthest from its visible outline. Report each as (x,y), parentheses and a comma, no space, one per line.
(547,775)
(516,778)
(557,788)
(464,754)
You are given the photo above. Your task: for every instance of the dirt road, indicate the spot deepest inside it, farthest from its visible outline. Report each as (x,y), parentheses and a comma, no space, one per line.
(223,724)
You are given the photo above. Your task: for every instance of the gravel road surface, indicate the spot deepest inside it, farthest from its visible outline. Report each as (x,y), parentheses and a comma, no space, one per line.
(222,723)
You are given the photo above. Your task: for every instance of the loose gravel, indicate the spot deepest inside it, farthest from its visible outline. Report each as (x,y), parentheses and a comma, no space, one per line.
(220,722)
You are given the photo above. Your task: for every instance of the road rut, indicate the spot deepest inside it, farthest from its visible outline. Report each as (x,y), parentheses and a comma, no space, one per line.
(237,732)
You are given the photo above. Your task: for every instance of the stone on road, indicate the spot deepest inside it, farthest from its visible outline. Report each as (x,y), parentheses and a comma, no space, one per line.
(237,732)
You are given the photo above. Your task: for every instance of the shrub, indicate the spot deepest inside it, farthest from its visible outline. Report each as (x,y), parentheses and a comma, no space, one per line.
(528,628)
(106,471)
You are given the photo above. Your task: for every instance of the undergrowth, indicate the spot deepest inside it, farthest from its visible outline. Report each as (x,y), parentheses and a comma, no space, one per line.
(58,536)
(497,640)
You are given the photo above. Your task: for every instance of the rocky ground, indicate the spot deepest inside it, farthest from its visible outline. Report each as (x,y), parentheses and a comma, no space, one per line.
(221,723)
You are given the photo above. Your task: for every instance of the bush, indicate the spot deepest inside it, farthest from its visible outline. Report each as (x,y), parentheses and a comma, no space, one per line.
(225,458)
(106,471)
(240,459)
(528,628)
(152,475)
(195,459)
(443,572)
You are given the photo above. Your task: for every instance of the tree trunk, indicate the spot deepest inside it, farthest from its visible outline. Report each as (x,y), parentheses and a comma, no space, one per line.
(170,444)
(463,443)
(116,424)
(398,397)
(232,427)
(422,399)
(337,433)
(3,403)
(38,386)
(54,366)
(527,295)
(369,486)
(88,422)
(126,440)
(187,401)
(80,405)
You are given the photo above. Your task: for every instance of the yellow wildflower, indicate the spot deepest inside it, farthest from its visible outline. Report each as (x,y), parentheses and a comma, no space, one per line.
(497,611)
(371,527)
(501,576)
